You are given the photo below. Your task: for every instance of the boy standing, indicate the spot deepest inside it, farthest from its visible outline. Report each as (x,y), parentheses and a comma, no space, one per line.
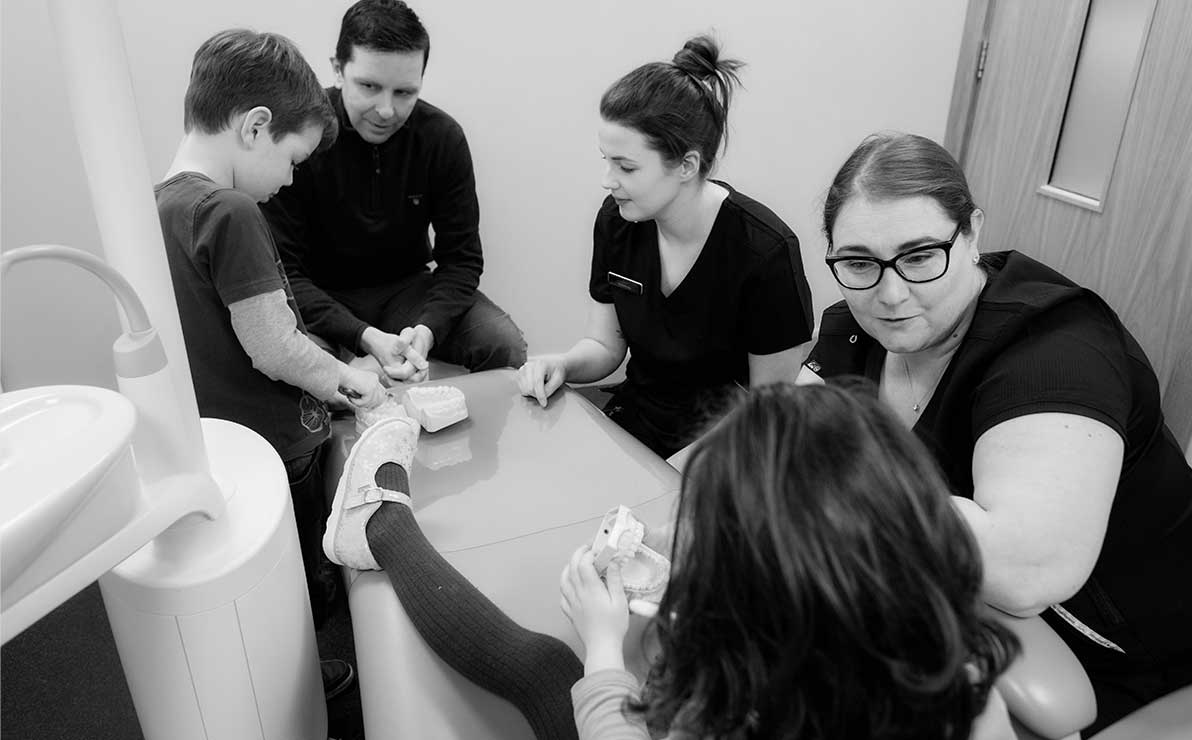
(254,111)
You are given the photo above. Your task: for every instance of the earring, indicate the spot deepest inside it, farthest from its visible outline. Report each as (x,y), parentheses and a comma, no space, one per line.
(976,258)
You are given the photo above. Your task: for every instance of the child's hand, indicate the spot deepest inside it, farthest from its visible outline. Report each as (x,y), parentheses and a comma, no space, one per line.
(598,610)
(361,387)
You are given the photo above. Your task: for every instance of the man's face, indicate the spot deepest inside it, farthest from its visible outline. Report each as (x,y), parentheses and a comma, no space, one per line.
(379,89)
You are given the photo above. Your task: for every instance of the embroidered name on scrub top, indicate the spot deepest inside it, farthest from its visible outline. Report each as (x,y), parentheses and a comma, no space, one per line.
(621,282)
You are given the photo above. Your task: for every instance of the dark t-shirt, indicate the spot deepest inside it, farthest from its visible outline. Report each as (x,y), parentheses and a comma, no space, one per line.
(1039,343)
(220,251)
(745,294)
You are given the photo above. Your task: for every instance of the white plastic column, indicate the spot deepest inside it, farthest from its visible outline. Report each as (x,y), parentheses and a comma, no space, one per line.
(168,439)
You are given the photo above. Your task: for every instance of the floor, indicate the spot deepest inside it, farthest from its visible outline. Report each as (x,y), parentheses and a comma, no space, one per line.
(61,678)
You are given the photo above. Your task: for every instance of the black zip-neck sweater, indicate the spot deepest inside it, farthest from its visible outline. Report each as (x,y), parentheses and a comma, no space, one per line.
(357,215)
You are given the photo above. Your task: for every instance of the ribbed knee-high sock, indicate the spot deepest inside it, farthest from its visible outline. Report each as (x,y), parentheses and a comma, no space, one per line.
(465,629)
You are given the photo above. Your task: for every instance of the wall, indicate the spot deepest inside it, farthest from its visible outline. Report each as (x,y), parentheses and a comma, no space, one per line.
(524,78)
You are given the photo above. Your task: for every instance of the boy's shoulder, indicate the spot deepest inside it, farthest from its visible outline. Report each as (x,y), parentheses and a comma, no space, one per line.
(201,198)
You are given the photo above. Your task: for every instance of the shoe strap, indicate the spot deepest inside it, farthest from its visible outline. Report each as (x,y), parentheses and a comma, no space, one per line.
(372,494)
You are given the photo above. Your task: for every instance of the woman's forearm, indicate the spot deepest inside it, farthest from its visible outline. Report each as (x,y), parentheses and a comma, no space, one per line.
(591,360)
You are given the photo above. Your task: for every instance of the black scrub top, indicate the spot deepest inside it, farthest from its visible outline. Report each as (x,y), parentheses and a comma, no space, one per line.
(745,294)
(1039,343)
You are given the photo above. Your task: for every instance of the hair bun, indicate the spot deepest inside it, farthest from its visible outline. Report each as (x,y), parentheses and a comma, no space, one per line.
(700,57)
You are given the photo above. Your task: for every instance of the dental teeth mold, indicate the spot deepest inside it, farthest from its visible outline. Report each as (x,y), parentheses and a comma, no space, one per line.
(435,407)
(644,572)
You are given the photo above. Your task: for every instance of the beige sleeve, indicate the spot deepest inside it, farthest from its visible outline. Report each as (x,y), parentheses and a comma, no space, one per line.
(598,699)
(268,332)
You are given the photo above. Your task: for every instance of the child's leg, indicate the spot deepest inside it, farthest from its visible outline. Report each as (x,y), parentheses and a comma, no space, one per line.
(306,493)
(465,629)
(468,632)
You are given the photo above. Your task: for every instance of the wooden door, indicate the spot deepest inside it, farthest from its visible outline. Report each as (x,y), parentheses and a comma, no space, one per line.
(1136,251)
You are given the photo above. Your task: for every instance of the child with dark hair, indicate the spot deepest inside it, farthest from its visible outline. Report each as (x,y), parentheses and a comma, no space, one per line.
(822,586)
(254,111)
(702,285)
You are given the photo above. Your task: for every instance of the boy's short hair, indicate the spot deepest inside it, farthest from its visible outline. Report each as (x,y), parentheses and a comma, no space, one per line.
(237,70)
(381,25)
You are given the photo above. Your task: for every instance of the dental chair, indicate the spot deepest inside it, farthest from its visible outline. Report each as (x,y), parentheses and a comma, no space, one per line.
(1049,695)
(1050,698)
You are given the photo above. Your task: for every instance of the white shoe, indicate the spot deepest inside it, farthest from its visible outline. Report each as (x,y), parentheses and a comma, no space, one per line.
(357,496)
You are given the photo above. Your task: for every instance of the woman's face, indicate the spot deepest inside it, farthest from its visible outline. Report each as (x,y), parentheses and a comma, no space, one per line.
(907,317)
(635,175)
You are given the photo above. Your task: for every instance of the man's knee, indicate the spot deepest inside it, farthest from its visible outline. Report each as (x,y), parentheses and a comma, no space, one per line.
(499,343)
(487,338)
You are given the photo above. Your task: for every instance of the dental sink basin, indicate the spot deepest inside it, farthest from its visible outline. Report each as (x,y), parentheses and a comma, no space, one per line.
(67,479)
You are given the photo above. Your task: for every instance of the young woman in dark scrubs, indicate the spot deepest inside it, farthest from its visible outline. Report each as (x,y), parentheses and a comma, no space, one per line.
(702,285)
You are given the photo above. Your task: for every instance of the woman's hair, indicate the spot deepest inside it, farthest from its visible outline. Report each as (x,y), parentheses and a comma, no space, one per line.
(892,165)
(680,106)
(822,586)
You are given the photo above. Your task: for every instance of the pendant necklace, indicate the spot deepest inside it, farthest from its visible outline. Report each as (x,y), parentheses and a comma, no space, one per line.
(918,402)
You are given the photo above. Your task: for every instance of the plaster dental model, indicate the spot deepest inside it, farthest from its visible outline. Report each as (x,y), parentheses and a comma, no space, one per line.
(436,406)
(644,572)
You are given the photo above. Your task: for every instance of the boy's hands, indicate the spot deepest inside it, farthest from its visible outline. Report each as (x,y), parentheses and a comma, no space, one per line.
(361,387)
(399,359)
(597,609)
(541,376)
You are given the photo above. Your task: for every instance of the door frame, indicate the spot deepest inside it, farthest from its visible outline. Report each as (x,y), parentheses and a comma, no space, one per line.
(966,84)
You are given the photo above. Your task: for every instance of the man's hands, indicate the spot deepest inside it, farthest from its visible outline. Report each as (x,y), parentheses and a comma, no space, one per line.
(419,339)
(402,357)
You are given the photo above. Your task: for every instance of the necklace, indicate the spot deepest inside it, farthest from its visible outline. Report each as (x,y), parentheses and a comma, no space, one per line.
(916,397)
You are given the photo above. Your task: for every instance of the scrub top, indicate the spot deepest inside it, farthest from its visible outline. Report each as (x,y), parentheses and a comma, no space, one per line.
(745,294)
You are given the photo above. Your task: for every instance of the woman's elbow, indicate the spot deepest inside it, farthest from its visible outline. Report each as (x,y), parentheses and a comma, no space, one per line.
(1026,592)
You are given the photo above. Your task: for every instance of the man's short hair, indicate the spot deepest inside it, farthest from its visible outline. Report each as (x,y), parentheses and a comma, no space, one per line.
(381,25)
(237,70)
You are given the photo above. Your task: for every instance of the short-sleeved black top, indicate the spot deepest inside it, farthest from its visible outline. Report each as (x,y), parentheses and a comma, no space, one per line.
(220,251)
(1039,343)
(745,294)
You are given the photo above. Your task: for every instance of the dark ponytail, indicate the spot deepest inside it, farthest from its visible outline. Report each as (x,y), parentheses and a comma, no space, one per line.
(681,106)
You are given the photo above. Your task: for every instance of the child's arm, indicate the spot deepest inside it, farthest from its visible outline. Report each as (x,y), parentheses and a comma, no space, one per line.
(600,614)
(598,700)
(268,332)
(598,609)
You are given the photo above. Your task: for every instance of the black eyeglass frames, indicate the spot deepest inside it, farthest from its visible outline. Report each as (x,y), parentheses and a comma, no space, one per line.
(918,265)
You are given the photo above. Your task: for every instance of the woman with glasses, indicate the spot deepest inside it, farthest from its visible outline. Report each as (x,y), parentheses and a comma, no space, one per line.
(1040,407)
(701,284)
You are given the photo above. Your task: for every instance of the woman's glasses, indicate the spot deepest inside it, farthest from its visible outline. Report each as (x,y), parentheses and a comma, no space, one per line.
(919,265)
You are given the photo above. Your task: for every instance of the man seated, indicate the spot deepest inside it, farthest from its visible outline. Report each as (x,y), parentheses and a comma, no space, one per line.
(353,228)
